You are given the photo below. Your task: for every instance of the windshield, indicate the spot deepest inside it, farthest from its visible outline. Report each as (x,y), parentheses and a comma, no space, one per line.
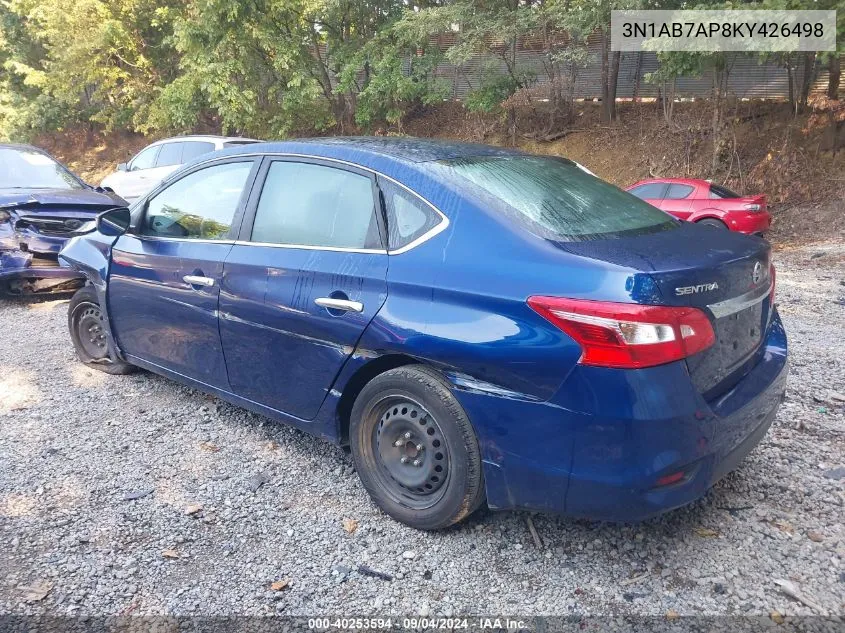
(557,198)
(28,169)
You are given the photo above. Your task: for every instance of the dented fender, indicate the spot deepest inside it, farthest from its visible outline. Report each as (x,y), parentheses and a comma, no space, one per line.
(90,256)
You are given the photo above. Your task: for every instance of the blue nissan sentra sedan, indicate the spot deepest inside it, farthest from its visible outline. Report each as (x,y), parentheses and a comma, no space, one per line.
(476,324)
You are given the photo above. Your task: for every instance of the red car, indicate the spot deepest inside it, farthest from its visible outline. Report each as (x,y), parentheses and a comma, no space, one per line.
(705,203)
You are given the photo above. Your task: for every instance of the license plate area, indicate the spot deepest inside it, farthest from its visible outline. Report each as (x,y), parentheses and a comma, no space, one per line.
(739,334)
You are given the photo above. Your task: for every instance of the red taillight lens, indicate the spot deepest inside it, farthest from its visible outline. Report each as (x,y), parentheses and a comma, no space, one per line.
(628,335)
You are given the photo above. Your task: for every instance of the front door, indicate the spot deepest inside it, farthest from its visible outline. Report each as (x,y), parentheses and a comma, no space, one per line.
(164,279)
(303,284)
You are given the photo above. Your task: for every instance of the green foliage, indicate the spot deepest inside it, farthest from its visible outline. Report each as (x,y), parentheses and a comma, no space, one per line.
(494,89)
(271,68)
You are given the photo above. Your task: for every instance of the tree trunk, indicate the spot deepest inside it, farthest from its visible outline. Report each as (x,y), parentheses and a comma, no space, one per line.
(613,82)
(807,79)
(791,81)
(833,78)
(717,117)
(637,73)
(605,75)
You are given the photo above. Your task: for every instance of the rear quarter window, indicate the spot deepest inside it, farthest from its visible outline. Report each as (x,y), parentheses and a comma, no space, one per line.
(408,217)
(554,198)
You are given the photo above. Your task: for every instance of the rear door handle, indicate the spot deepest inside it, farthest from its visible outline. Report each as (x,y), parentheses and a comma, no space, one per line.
(197,280)
(339,304)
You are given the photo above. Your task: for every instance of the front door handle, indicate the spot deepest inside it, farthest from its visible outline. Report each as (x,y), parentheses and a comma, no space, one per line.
(339,304)
(197,280)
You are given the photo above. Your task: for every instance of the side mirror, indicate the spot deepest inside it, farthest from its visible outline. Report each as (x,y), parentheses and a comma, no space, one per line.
(122,167)
(114,222)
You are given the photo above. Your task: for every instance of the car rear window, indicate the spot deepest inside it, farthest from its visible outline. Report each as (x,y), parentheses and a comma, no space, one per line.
(722,192)
(556,198)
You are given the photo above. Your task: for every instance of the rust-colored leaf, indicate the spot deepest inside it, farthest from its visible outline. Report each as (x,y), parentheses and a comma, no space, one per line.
(707,532)
(776,617)
(816,537)
(279,585)
(671,614)
(170,553)
(209,447)
(350,525)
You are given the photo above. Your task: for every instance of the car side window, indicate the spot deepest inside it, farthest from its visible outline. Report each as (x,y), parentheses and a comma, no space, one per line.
(170,154)
(145,159)
(303,204)
(650,191)
(192,149)
(679,192)
(201,205)
(408,217)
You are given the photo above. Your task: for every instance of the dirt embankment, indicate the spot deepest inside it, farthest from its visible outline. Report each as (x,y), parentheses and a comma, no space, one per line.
(799,162)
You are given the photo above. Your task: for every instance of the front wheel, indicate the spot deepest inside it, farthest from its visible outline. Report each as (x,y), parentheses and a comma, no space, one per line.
(90,335)
(415,449)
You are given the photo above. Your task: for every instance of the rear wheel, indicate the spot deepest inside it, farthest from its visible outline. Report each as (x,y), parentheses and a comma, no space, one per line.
(716,224)
(415,450)
(90,334)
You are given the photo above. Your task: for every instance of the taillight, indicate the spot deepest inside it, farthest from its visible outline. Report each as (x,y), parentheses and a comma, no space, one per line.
(628,335)
(752,207)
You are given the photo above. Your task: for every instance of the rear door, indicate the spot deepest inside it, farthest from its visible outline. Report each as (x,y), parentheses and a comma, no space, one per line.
(302,283)
(678,200)
(165,274)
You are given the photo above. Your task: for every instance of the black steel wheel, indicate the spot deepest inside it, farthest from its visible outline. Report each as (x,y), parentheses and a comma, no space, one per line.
(415,450)
(411,450)
(90,331)
(90,335)
(716,224)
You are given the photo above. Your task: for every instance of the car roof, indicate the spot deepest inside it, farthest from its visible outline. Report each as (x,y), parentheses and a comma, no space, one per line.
(696,182)
(212,138)
(403,149)
(30,148)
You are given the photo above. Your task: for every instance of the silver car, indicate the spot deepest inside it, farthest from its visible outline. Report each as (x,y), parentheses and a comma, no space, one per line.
(155,162)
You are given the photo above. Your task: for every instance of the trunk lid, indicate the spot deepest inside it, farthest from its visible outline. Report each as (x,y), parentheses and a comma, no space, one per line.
(725,274)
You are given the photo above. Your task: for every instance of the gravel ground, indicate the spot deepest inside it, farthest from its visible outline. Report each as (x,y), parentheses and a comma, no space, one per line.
(231,503)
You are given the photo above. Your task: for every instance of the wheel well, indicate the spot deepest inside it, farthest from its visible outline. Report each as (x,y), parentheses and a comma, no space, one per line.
(358,381)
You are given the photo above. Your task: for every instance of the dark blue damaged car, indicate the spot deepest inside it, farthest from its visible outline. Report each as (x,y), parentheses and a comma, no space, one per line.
(478,325)
(42,204)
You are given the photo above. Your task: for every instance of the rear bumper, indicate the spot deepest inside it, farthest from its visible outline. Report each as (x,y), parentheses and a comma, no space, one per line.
(749,223)
(598,448)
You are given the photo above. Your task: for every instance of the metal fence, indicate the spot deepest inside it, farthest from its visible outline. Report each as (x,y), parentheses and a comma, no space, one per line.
(749,76)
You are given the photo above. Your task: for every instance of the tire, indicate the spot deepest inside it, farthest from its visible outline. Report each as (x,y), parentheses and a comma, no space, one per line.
(90,336)
(716,224)
(412,406)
